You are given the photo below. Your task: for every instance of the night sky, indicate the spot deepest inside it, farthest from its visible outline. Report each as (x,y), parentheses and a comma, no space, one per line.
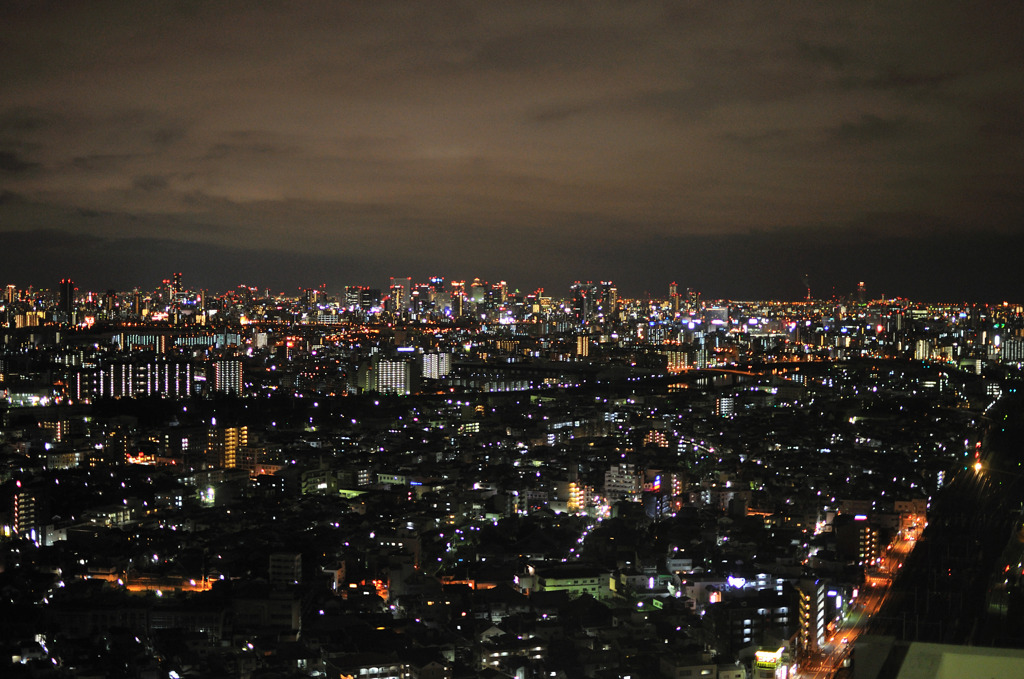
(730,146)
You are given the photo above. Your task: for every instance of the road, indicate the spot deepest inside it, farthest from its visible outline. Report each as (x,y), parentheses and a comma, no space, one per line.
(959,585)
(864,608)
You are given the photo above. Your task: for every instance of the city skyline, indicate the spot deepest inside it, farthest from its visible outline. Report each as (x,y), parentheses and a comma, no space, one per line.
(732,148)
(67,290)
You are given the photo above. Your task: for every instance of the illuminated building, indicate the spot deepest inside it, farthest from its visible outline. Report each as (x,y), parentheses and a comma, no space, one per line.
(717,315)
(677,360)
(812,614)
(400,291)
(582,345)
(223,445)
(857,538)
(115,449)
(622,482)
(312,297)
(227,376)
(577,500)
(67,300)
(499,292)
(575,580)
(1013,350)
(593,302)
(117,380)
(361,297)
(394,376)
(29,319)
(771,664)
(27,511)
(725,406)
(161,377)
(477,292)
(655,437)
(436,365)
(458,298)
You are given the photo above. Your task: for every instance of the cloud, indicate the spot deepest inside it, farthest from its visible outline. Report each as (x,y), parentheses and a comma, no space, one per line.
(456,132)
(10,162)
(150,182)
(870,128)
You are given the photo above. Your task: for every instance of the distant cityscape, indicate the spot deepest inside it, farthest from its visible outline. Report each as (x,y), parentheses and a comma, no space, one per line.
(450,479)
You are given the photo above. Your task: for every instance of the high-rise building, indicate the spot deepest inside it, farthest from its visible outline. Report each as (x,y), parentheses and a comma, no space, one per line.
(223,444)
(812,614)
(27,509)
(582,300)
(622,482)
(227,376)
(582,345)
(163,377)
(361,297)
(116,380)
(394,376)
(400,290)
(725,406)
(692,300)
(594,302)
(67,300)
(436,365)
(477,291)
(10,294)
(458,298)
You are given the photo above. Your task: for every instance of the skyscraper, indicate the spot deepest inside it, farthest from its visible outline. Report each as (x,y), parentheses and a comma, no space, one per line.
(67,300)
(401,293)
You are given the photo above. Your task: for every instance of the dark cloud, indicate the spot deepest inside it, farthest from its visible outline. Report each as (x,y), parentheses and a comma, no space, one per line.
(871,128)
(101,162)
(150,182)
(589,139)
(10,162)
